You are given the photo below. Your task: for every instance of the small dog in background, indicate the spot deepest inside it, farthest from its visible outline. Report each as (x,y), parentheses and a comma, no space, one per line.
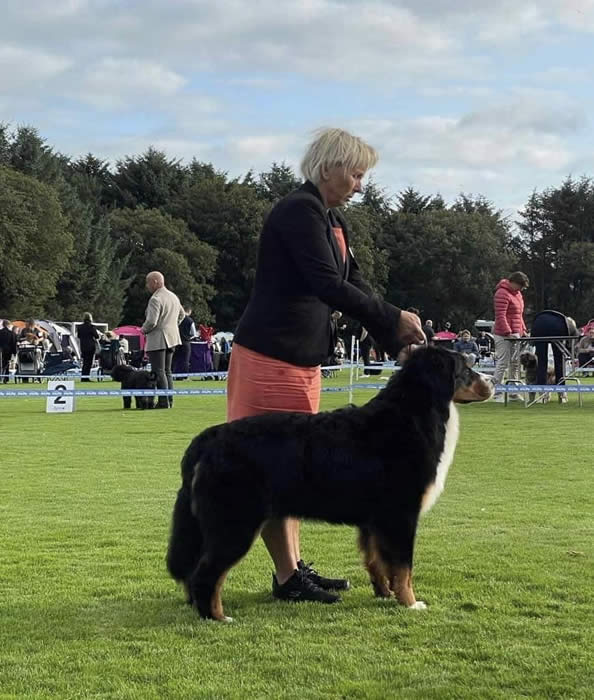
(131,378)
(529,362)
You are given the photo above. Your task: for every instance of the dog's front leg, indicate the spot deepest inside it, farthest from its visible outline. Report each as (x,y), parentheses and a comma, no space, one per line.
(396,545)
(401,585)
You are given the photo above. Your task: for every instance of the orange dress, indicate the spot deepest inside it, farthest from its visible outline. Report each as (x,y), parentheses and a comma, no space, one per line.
(259,384)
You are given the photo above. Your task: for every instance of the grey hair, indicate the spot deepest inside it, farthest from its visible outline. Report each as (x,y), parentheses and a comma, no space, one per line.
(87,317)
(333,148)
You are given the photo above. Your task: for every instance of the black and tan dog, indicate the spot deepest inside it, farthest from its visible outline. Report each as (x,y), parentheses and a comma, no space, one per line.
(529,362)
(378,467)
(131,378)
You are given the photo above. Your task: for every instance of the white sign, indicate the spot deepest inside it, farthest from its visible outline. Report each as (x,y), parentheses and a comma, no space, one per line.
(60,404)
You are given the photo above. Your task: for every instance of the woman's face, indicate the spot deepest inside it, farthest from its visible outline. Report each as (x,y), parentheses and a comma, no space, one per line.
(339,185)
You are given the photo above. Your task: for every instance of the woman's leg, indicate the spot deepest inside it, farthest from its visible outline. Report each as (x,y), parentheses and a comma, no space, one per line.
(502,357)
(559,364)
(87,363)
(278,536)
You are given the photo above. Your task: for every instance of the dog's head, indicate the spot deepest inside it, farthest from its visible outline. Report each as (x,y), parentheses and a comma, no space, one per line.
(528,360)
(120,372)
(446,373)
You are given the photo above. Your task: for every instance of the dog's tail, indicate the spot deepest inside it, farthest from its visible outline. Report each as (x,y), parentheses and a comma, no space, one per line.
(120,372)
(185,541)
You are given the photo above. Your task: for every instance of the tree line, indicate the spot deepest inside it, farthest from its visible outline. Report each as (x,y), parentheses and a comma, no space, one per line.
(79,235)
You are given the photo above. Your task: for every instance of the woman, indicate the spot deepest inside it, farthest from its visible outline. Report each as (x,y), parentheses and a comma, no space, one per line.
(585,349)
(467,346)
(305,270)
(88,336)
(509,323)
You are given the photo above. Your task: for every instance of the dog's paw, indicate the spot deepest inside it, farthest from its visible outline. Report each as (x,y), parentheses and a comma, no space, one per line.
(419,605)
(222,619)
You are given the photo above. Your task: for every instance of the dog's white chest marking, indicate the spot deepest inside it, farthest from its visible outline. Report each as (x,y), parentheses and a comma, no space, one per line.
(452,430)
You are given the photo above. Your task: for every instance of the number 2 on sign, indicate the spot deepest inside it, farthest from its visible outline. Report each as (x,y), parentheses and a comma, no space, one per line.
(60,400)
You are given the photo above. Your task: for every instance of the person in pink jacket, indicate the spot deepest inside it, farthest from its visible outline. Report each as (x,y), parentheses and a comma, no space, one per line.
(509,323)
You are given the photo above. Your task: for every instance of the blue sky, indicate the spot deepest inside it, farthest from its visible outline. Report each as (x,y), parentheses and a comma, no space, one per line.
(491,98)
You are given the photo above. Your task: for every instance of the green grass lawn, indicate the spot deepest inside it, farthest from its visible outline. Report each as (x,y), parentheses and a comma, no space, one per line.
(504,562)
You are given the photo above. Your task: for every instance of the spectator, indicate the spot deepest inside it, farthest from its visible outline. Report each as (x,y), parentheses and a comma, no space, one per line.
(509,323)
(89,337)
(164,313)
(585,348)
(187,331)
(125,346)
(429,331)
(305,270)
(467,347)
(485,344)
(335,326)
(30,333)
(8,348)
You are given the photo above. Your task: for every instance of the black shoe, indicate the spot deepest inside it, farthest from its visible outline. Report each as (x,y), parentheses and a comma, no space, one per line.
(162,405)
(328,584)
(299,587)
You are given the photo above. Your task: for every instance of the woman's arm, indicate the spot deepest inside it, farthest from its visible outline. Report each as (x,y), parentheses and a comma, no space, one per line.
(304,230)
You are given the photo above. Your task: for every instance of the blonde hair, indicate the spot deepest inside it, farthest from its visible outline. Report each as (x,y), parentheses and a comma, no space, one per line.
(333,148)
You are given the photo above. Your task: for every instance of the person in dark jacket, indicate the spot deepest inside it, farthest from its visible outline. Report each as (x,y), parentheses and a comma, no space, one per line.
(429,331)
(88,336)
(8,348)
(187,331)
(305,270)
(467,346)
(551,323)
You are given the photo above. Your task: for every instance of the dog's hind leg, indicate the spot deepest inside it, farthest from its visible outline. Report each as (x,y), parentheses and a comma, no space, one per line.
(221,550)
(373,564)
(185,542)
(395,546)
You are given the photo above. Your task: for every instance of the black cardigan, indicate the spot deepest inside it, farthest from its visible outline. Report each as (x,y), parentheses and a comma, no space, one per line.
(300,279)
(87,334)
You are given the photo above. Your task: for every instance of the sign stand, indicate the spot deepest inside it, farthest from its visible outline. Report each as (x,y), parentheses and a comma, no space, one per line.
(60,404)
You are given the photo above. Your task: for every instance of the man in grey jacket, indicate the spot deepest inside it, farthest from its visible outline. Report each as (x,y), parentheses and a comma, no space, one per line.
(164,313)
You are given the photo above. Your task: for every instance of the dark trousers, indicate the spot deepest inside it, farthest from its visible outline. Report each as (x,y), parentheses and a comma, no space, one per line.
(87,363)
(4,365)
(161,361)
(184,351)
(584,358)
(549,323)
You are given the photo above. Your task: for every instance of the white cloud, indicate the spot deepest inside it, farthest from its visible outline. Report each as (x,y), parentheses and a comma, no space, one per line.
(19,67)
(115,83)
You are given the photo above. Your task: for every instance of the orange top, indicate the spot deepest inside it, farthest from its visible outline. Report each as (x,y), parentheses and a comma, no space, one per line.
(258,384)
(339,234)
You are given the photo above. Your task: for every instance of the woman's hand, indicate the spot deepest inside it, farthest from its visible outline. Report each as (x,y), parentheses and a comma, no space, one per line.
(410,331)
